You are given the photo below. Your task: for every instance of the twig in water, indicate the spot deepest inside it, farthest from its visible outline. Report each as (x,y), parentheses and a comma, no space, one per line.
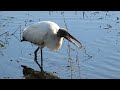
(17,38)
(2,42)
(20,33)
(1,53)
(69,54)
(4,33)
(16,30)
(89,56)
(84,15)
(78,63)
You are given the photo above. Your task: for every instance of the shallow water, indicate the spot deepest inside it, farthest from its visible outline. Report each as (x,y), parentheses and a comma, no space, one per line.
(98,32)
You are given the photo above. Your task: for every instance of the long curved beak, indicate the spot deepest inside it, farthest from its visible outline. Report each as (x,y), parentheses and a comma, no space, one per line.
(72,39)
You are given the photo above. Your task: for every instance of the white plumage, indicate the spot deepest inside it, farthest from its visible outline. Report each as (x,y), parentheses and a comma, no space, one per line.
(46,33)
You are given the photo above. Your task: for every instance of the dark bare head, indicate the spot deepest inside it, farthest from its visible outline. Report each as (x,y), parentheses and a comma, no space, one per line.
(63,33)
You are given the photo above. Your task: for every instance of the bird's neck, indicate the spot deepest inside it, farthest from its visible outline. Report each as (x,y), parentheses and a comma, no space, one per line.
(56,44)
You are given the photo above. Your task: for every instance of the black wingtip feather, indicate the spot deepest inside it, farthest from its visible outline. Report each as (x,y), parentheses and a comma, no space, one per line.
(23,39)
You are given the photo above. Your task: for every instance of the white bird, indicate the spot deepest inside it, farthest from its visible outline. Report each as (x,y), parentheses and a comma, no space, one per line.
(49,34)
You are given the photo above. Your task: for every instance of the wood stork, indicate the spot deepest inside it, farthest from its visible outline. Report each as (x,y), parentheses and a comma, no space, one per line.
(49,34)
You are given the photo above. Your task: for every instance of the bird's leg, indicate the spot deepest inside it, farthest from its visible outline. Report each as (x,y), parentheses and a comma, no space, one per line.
(35,59)
(41,61)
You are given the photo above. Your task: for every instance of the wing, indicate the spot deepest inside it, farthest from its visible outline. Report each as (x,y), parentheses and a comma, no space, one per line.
(38,32)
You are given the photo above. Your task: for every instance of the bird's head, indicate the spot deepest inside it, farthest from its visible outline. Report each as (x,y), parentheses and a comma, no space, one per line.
(63,33)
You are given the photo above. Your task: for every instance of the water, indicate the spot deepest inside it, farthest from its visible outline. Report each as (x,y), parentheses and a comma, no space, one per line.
(98,31)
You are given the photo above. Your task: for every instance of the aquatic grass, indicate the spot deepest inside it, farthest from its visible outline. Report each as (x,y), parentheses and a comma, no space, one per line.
(5,35)
(68,48)
(13,34)
(4,41)
(71,59)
